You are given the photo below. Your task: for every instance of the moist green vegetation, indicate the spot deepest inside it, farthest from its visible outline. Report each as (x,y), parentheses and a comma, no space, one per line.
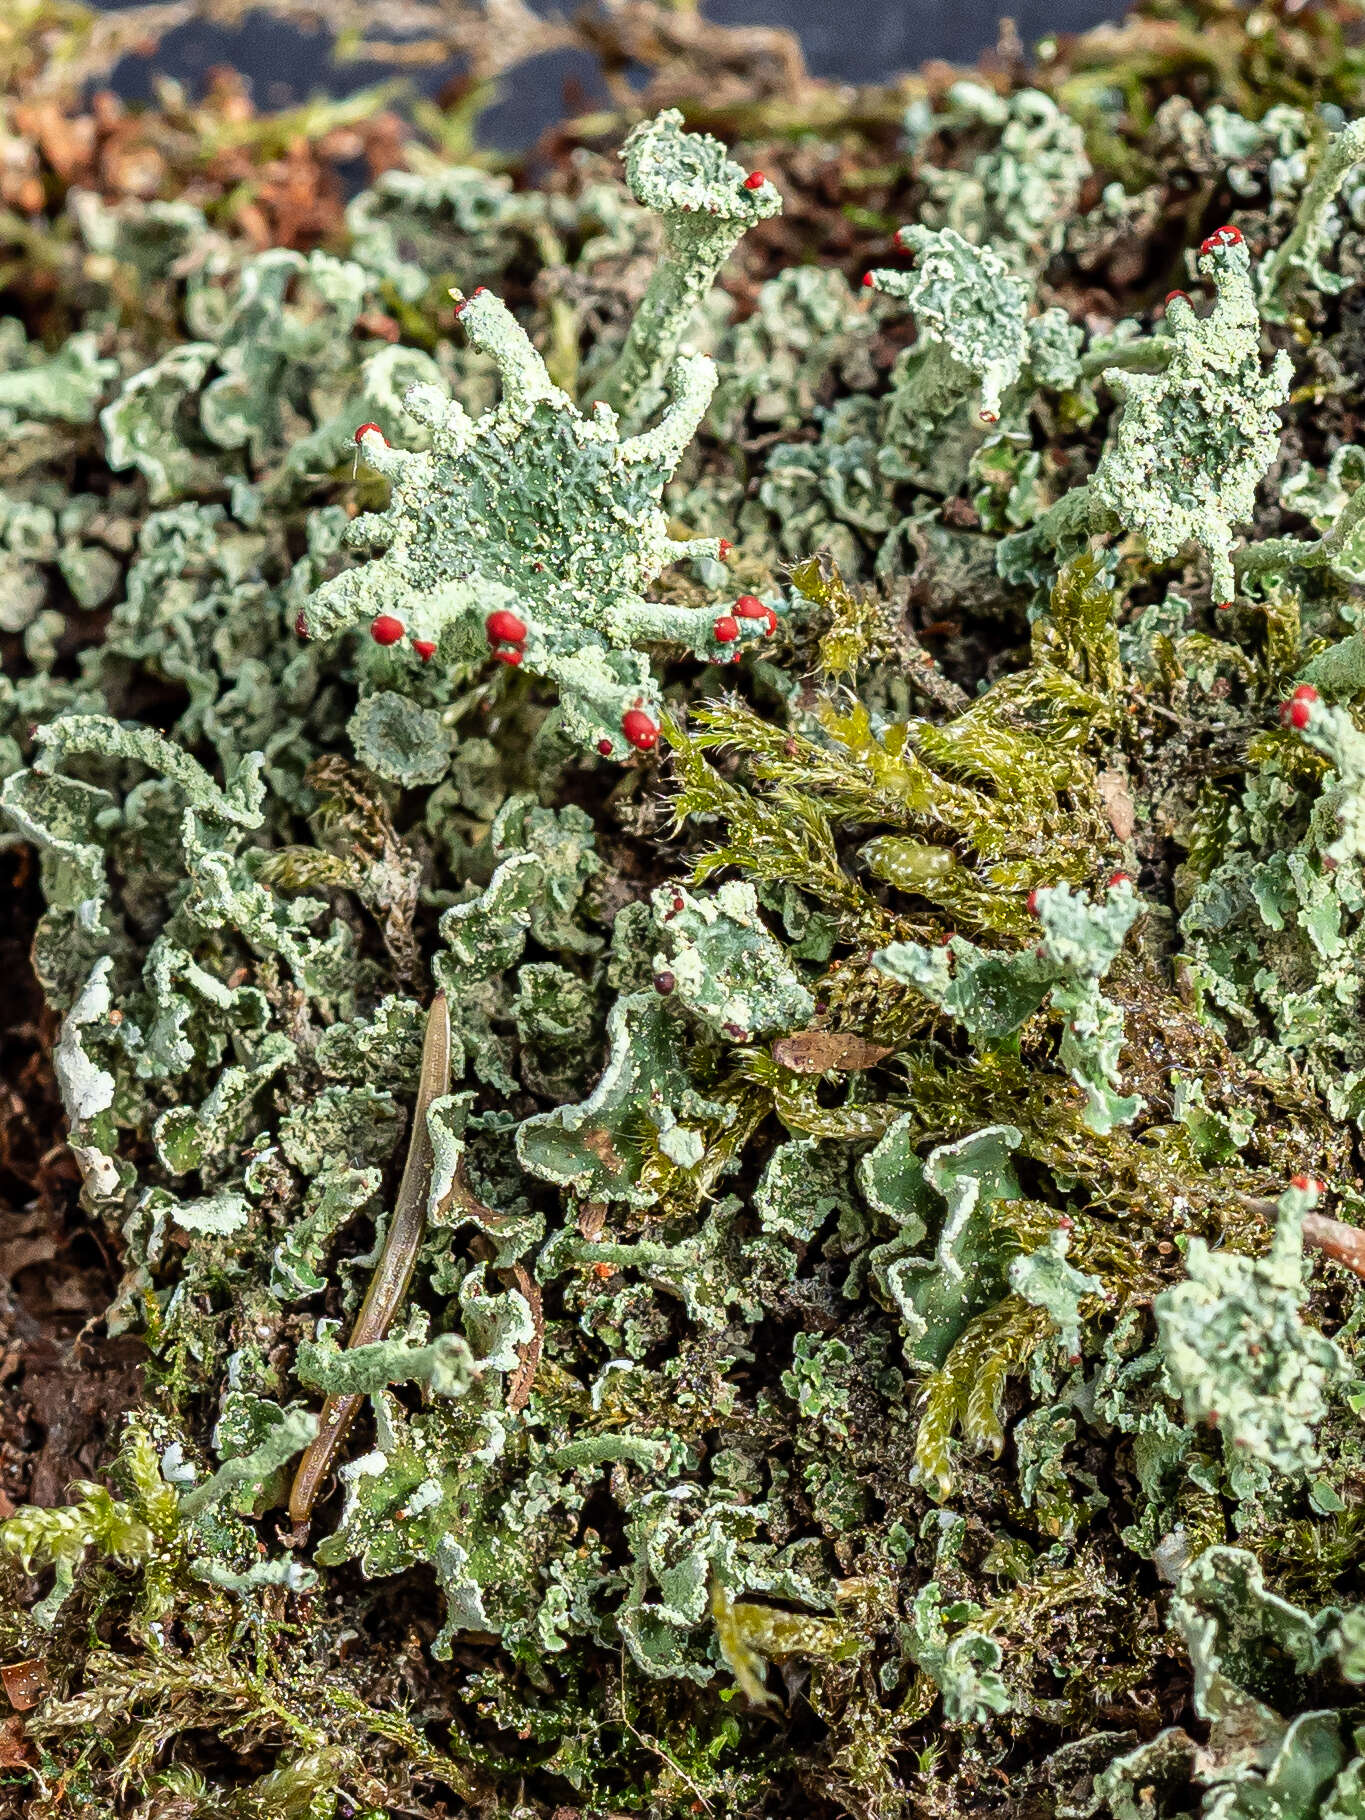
(869,774)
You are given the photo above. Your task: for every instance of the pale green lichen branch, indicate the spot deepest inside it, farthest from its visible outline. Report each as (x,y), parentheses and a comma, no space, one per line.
(706,204)
(1299,257)
(1191,443)
(970,314)
(1237,1350)
(1277,553)
(1334,733)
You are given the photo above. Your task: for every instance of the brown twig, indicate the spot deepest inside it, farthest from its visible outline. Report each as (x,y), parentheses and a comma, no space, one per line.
(1344,1244)
(393,1274)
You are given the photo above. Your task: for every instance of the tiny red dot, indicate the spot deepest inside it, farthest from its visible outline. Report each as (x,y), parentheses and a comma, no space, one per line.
(755,180)
(425,648)
(604,747)
(386,630)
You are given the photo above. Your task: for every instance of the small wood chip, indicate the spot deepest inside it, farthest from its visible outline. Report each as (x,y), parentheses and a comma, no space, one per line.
(1335,1239)
(1117,803)
(592,1217)
(519,1388)
(15,1750)
(819,1051)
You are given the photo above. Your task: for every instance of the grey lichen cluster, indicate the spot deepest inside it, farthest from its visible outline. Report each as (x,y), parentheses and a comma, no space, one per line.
(769,1254)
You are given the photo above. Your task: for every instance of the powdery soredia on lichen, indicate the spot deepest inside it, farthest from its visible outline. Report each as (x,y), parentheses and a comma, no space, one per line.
(1191,442)
(706,202)
(969,310)
(1236,1347)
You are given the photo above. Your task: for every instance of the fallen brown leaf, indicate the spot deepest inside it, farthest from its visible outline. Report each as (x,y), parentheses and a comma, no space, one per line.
(24,1682)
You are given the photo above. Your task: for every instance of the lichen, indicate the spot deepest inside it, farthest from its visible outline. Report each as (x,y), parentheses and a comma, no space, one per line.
(748,1271)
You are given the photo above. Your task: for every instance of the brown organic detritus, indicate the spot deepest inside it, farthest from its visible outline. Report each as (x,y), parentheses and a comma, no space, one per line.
(393,1275)
(1344,1244)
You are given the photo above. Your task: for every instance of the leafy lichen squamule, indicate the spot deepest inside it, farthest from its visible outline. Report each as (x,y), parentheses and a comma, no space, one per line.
(799,1212)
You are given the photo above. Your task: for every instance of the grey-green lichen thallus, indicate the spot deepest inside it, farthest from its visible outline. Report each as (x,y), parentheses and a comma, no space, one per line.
(872,1321)
(392,1279)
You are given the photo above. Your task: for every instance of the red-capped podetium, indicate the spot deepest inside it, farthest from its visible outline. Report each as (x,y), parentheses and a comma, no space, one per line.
(749,606)
(1304,1182)
(464,303)
(1118,878)
(425,648)
(1172,295)
(386,630)
(1031,902)
(1298,710)
(364,431)
(723,549)
(639,729)
(755,180)
(868,281)
(508,655)
(604,747)
(727,629)
(504,627)
(1227,235)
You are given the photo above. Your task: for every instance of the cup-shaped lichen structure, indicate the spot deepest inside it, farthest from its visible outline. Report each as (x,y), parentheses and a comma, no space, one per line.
(706,203)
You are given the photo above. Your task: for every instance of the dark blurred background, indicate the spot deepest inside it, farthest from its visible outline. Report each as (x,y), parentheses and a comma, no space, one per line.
(848,40)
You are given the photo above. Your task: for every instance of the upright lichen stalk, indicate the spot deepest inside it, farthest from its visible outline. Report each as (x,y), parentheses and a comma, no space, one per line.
(706,203)
(1191,442)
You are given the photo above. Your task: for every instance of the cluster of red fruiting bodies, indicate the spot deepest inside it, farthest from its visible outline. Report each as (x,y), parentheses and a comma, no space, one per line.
(507,630)
(1298,710)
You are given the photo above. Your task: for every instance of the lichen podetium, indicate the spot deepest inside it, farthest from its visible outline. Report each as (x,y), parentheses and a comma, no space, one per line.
(693,824)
